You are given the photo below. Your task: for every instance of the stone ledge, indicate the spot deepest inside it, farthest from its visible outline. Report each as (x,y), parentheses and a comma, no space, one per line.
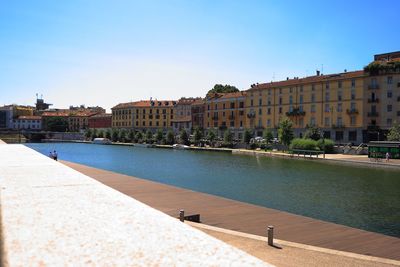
(52,215)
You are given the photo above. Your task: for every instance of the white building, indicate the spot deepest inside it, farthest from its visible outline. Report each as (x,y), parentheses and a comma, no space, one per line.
(28,123)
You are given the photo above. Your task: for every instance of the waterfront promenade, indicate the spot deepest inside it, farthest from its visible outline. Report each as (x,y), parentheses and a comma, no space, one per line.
(234,215)
(52,215)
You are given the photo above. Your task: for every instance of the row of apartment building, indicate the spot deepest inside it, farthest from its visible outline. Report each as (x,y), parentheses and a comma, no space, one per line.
(355,106)
(30,118)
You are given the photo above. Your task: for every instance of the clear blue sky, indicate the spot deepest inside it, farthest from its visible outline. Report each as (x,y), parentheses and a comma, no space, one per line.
(97,52)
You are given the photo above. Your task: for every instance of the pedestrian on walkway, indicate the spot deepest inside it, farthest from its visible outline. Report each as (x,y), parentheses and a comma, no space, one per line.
(51,155)
(387,156)
(55,155)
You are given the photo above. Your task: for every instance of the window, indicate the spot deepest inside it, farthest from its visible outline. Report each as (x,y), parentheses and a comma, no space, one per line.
(301,99)
(232,105)
(269,122)
(241,104)
(280,90)
(290,100)
(232,123)
(313,98)
(312,108)
(290,90)
(339,107)
(339,95)
(339,135)
(327,96)
(389,108)
(251,102)
(327,85)
(312,87)
(269,92)
(280,110)
(389,80)
(259,111)
(353,83)
(280,100)
(389,94)
(260,102)
(301,122)
(241,123)
(269,102)
(312,121)
(352,135)
(339,84)
(216,106)
(389,122)
(353,120)
(327,107)
(223,106)
(269,111)
(339,121)
(353,94)
(352,106)
(301,88)
(327,121)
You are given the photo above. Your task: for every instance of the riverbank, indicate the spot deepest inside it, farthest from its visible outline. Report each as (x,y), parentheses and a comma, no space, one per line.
(248,218)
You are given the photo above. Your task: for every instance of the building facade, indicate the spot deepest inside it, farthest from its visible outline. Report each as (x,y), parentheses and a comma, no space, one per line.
(225,111)
(78,121)
(144,115)
(100,121)
(183,115)
(198,108)
(32,123)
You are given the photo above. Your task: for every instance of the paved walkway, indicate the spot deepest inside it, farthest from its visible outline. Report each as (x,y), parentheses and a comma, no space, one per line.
(243,217)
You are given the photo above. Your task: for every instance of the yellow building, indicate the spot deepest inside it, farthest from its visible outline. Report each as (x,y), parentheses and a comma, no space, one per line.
(144,115)
(333,103)
(225,111)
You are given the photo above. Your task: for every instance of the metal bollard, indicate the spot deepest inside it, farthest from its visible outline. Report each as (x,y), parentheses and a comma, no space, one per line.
(270,233)
(182,215)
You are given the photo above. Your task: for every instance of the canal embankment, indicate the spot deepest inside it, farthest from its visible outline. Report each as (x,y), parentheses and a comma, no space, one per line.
(248,218)
(52,215)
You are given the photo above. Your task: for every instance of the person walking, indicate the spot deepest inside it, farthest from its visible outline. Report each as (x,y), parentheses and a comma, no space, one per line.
(51,155)
(387,156)
(55,155)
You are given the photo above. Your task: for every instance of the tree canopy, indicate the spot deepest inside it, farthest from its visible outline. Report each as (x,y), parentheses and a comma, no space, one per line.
(219,88)
(57,124)
(285,131)
(394,133)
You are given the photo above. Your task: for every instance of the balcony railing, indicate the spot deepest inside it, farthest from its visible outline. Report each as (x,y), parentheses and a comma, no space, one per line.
(295,112)
(352,111)
(373,86)
(338,126)
(375,100)
(259,127)
(251,115)
(373,114)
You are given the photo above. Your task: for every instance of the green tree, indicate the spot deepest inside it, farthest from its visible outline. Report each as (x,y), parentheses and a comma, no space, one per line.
(159,135)
(114,135)
(108,134)
(219,88)
(131,136)
(88,133)
(198,135)
(170,139)
(211,137)
(312,132)
(57,124)
(122,136)
(247,136)
(184,137)
(394,133)
(94,134)
(285,131)
(268,136)
(149,137)
(138,137)
(228,138)
(101,134)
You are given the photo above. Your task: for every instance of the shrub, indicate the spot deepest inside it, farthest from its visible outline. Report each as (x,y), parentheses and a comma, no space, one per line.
(329,145)
(253,145)
(304,144)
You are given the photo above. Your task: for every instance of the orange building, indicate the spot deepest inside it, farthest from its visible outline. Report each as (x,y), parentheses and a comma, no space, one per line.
(225,111)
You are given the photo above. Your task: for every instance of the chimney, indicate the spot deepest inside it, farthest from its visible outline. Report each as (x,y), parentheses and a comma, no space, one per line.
(287,78)
(318,72)
(345,70)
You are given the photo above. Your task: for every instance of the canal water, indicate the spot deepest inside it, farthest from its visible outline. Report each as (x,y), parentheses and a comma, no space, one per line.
(364,198)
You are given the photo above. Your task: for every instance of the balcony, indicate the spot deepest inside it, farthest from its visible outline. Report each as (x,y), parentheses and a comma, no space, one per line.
(251,115)
(374,100)
(373,86)
(338,126)
(296,112)
(259,127)
(352,111)
(373,114)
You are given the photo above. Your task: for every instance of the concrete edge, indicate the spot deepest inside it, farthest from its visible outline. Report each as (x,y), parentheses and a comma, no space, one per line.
(295,245)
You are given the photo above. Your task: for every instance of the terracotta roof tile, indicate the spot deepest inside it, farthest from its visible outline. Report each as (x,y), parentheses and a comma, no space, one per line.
(29,118)
(147,103)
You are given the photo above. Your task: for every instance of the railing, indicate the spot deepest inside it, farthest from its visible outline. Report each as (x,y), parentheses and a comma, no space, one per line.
(251,115)
(373,86)
(373,100)
(295,112)
(352,111)
(373,114)
(338,126)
